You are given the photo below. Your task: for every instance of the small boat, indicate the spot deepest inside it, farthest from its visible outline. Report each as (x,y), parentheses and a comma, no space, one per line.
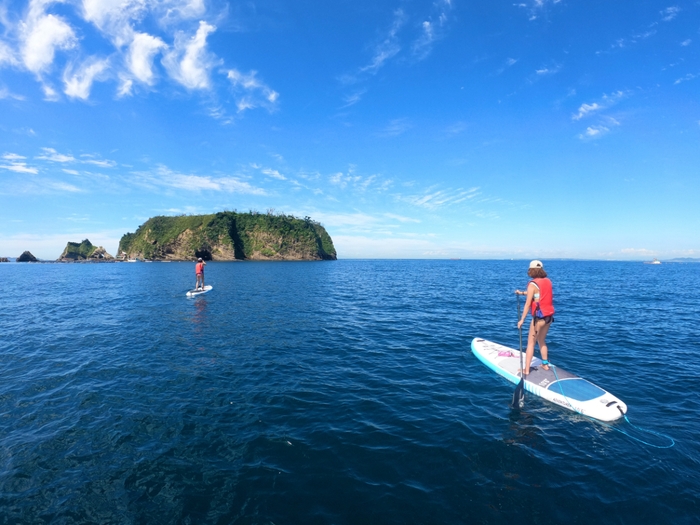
(655,261)
(132,260)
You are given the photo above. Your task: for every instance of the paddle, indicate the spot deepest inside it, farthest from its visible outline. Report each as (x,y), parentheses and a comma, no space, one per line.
(519,394)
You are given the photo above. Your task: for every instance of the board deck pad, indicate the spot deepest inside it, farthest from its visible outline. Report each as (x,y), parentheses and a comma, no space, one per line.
(556,384)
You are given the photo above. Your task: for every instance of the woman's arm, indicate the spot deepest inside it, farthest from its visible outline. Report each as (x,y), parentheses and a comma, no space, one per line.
(531,288)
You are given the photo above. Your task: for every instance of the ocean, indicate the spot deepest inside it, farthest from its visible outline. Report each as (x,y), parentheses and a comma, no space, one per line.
(340,393)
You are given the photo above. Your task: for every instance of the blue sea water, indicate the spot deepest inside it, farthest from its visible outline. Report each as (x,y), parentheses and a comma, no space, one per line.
(340,392)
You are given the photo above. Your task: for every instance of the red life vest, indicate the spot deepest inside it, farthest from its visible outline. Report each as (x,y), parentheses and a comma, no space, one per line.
(545,304)
(199,268)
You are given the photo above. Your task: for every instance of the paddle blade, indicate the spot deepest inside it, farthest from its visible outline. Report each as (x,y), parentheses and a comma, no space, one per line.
(519,395)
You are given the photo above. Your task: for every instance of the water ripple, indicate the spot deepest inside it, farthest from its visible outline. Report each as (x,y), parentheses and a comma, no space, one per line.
(338,393)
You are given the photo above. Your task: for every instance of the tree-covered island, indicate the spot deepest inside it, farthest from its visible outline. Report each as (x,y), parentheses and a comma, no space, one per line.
(228,236)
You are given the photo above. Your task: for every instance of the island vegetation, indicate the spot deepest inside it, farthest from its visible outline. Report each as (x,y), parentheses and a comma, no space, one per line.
(228,236)
(84,251)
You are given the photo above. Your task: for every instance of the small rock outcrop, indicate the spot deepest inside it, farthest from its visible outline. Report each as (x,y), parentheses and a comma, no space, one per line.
(4,259)
(84,251)
(26,257)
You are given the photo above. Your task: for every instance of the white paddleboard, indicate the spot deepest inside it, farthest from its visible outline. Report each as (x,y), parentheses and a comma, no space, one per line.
(556,384)
(193,293)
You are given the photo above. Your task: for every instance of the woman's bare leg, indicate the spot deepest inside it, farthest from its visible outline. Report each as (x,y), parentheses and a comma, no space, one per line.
(531,338)
(542,330)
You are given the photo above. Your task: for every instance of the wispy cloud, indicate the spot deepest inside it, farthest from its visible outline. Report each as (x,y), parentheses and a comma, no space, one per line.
(433,199)
(274,174)
(78,81)
(13,156)
(354,98)
(252,92)
(389,45)
(396,127)
(548,70)
(605,102)
(164,177)
(431,29)
(689,76)
(535,8)
(510,62)
(19,167)
(599,130)
(401,218)
(52,155)
(670,13)
(686,42)
(7,55)
(359,182)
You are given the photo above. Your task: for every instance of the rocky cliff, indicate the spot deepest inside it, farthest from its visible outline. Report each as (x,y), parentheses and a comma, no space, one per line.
(26,257)
(229,236)
(82,251)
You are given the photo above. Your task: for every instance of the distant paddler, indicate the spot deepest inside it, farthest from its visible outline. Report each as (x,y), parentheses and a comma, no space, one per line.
(199,271)
(539,302)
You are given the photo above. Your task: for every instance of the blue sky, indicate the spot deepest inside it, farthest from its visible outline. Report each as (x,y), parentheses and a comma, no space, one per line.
(409,128)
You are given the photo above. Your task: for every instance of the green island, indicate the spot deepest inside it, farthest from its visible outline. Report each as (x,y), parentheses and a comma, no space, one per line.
(84,251)
(228,236)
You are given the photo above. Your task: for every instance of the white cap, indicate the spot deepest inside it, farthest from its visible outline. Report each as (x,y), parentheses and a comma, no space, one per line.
(536,264)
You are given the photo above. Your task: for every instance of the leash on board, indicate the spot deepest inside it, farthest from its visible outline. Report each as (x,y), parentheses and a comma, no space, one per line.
(672,442)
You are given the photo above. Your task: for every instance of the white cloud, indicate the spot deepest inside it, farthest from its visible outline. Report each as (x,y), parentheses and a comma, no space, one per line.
(78,83)
(52,155)
(140,56)
(114,17)
(594,132)
(19,167)
(388,47)
(434,199)
(597,131)
(100,163)
(41,34)
(13,156)
(6,93)
(189,62)
(400,218)
(431,30)
(689,76)
(63,186)
(397,127)
(354,98)
(605,102)
(7,56)
(164,177)
(274,174)
(686,42)
(253,92)
(548,70)
(535,7)
(70,172)
(670,13)
(587,109)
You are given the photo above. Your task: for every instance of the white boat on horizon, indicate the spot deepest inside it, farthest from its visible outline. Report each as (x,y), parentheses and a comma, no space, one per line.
(655,261)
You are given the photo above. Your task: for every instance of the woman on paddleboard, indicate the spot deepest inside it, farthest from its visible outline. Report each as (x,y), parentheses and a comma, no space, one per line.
(540,304)
(199,270)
